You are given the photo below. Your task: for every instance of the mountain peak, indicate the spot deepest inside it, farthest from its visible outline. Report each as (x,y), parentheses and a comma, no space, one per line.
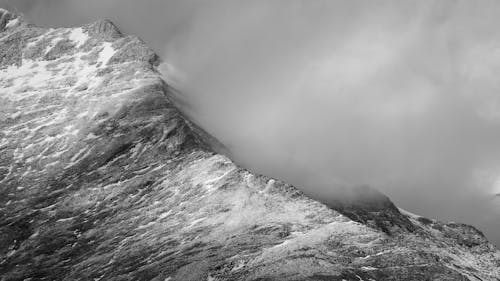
(102,178)
(8,20)
(4,15)
(105,29)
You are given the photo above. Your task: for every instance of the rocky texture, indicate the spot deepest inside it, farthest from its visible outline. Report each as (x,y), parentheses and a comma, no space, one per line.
(101,178)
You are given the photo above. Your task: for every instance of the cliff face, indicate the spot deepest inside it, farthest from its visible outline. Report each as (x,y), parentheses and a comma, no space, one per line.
(101,178)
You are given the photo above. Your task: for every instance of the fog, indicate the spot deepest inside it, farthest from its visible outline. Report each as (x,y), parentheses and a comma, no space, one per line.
(402,96)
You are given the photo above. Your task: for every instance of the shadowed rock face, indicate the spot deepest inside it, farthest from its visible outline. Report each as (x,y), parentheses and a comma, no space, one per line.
(370,207)
(101,178)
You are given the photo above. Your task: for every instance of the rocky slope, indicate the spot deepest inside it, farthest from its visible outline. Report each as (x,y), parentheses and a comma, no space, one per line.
(101,178)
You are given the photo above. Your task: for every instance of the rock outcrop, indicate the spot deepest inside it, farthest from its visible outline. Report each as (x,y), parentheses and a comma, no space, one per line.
(102,178)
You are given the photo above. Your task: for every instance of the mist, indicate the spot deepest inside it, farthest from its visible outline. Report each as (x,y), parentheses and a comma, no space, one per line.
(398,95)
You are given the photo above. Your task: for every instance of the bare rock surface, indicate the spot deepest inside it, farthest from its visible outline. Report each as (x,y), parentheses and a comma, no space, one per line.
(101,178)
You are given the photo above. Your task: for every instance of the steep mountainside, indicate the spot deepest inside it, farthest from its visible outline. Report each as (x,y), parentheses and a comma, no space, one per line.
(101,178)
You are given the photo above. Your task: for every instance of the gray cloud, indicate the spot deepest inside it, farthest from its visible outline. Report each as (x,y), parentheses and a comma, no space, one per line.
(399,95)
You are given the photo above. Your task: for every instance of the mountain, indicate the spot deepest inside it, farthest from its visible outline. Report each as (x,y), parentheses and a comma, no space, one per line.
(102,178)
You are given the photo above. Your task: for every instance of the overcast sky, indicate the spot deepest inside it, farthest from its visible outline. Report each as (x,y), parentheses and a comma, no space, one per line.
(400,95)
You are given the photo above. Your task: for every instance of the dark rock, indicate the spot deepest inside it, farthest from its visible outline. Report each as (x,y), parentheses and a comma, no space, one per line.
(5,16)
(104,29)
(133,49)
(368,206)
(62,48)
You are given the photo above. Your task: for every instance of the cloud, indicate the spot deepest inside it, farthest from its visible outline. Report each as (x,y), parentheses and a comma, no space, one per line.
(399,95)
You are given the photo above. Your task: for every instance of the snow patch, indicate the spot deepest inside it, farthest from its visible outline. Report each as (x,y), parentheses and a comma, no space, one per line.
(78,155)
(12,23)
(106,53)
(269,186)
(202,171)
(164,215)
(314,237)
(409,214)
(91,136)
(83,114)
(193,223)
(15,115)
(146,225)
(78,36)
(25,77)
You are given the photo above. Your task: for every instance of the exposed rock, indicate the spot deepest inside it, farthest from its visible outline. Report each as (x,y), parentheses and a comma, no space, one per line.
(5,16)
(132,49)
(103,29)
(103,179)
(370,207)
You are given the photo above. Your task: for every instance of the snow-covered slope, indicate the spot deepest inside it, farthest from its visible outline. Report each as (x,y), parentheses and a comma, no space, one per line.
(101,178)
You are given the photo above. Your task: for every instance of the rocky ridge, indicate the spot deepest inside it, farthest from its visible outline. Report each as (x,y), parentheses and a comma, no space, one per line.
(102,178)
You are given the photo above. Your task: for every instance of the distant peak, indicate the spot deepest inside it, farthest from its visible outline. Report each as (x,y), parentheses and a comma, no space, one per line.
(10,19)
(104,28)
(5,17)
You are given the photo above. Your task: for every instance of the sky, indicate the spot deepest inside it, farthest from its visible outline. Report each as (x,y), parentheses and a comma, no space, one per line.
(399,95)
